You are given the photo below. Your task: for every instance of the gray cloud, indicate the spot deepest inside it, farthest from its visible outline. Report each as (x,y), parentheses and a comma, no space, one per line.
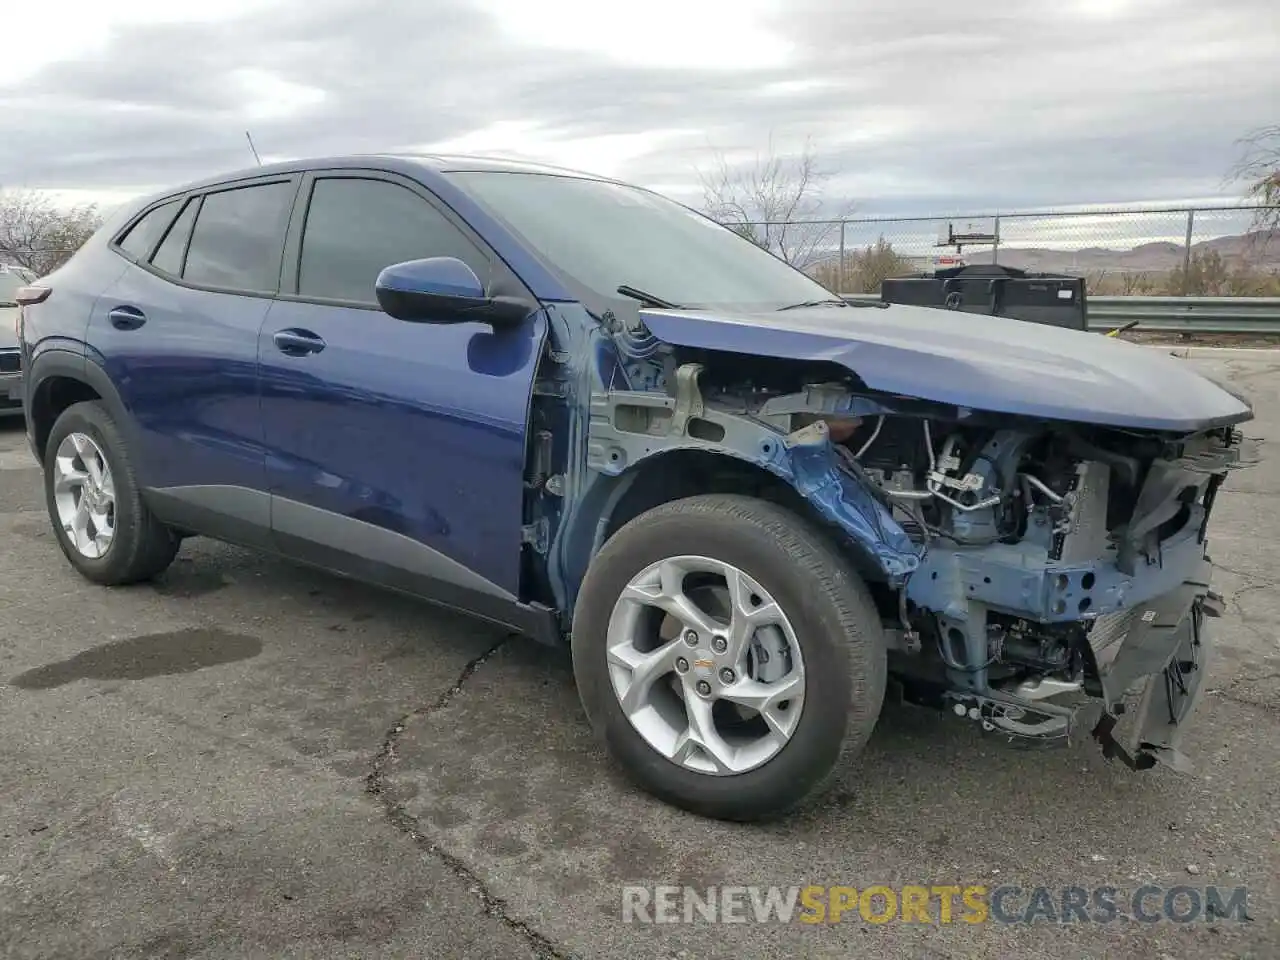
(913,105)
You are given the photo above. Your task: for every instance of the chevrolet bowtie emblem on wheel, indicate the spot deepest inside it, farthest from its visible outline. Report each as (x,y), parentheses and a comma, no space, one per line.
(704,664)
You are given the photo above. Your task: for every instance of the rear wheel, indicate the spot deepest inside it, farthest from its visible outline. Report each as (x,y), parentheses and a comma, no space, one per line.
(98,515)
(727,655)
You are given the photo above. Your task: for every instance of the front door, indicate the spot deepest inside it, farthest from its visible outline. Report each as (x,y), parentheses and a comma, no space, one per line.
(395,450)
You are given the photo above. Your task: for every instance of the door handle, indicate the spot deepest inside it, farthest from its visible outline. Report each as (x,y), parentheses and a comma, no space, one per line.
(297,343)
(126,318)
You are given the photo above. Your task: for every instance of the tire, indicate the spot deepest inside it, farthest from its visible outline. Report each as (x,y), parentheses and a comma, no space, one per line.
(834,623)
(141,547)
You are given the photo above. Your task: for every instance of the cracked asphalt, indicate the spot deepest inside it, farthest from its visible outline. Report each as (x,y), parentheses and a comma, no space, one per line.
(250,759)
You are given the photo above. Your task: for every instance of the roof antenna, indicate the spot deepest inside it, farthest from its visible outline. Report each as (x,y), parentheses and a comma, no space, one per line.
(253,148)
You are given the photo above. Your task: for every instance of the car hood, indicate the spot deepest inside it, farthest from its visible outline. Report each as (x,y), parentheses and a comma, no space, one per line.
(986,363)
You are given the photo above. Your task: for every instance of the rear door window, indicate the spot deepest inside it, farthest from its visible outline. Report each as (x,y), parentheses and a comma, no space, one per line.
(238,238)
(357,226)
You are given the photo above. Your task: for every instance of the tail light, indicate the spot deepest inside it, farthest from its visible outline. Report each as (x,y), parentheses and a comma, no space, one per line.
(26,297)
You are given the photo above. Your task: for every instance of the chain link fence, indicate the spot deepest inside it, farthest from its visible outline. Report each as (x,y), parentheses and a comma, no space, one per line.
(1202,251)
(1167,251)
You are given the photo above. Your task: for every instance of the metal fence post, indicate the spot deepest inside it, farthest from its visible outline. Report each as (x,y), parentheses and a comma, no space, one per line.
(1186,255)
(840,268)
(995,246)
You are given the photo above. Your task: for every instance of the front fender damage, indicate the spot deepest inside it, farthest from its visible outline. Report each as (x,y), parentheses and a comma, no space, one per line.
(1042,575)
(628,427)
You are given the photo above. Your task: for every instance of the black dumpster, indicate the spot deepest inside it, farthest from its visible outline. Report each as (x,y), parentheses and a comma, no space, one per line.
(1053,299)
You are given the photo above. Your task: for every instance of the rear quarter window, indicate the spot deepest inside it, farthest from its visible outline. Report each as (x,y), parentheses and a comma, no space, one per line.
(140,239)
(173,248)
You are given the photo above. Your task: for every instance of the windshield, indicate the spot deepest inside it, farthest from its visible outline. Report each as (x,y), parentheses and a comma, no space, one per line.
(605,235)
(10,281)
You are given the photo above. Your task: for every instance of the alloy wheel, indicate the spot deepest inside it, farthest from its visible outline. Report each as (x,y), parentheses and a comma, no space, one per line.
(84,494)
(705,665)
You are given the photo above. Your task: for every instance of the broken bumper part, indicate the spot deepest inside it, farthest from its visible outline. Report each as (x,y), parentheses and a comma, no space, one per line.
(1160,664)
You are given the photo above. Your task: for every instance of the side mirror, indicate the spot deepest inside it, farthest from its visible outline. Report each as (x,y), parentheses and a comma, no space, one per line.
(443,290)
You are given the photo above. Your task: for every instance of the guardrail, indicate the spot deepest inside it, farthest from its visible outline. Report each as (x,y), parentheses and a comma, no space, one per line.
(1189,314)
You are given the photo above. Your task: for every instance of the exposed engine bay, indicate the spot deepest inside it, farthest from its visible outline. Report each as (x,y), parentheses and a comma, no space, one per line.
(1063,498)
(1028,570)
(1035,541)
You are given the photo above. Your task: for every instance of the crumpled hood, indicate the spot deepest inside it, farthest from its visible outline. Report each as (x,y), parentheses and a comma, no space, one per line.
(986,363)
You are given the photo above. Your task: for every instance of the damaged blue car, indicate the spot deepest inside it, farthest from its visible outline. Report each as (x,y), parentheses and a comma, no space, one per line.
(588,414)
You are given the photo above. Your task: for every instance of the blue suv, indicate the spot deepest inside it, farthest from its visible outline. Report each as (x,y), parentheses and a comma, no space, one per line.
(588,414)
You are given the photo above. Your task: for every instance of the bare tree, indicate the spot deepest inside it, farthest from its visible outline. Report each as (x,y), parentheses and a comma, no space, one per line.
(1259,169)
(38,234)
(776,201)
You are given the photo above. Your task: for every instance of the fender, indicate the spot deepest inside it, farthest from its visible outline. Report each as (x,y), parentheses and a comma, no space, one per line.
(632,427)
(602,433)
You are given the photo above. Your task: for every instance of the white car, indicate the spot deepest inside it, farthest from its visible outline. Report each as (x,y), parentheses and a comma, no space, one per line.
(11,278)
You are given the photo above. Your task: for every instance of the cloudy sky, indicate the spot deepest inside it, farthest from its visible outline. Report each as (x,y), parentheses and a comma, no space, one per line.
(913,106)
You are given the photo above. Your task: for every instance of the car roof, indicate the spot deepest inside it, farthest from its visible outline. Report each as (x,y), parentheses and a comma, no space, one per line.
(403,161)
(455,163)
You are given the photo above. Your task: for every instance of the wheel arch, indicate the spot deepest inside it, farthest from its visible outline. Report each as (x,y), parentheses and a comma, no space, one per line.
(684,472)
(60,378)
(680,472)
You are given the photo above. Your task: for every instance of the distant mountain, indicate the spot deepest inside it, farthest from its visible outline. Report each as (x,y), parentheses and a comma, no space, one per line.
(1258,250)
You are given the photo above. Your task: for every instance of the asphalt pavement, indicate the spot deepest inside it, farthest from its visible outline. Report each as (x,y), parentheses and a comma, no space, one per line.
(251,759)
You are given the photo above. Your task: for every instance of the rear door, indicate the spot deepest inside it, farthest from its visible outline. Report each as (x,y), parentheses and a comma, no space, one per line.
(395,450)
(178,335)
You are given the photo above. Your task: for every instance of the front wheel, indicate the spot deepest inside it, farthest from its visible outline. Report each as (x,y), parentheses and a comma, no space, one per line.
(728,656)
